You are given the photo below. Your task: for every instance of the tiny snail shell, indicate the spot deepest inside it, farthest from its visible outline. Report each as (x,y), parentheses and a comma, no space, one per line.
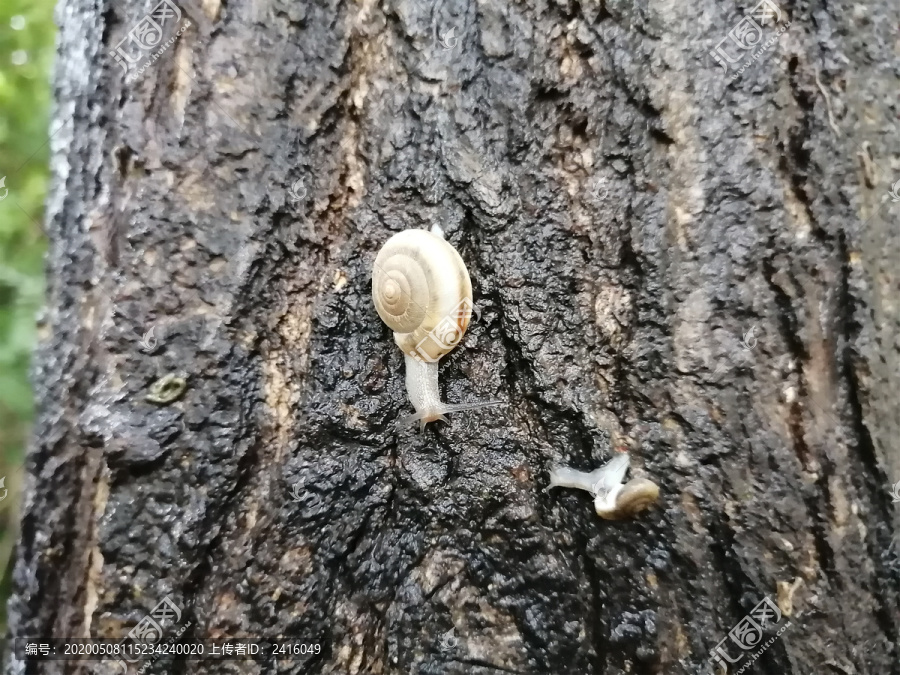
(612,499)
(422,291)
(419,284)
(635,496)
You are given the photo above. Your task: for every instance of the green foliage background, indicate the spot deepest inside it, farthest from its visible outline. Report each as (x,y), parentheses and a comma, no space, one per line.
(27,35)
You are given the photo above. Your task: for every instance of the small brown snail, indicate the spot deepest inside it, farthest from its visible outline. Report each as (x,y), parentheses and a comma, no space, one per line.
(612,499)
(422,291)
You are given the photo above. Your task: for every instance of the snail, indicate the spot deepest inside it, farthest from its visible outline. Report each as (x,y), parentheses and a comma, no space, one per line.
(422,291)
(612,499)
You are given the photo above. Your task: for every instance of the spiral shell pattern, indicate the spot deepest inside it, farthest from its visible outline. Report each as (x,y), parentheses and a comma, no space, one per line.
(422,291)
(637,495)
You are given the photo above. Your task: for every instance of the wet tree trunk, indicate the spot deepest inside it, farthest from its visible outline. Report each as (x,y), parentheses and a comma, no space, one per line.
(700,267)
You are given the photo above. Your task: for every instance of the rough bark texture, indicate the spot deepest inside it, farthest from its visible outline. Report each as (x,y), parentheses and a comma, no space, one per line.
(627,215)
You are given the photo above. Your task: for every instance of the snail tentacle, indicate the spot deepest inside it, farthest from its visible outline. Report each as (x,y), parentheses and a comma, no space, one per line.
(611,474)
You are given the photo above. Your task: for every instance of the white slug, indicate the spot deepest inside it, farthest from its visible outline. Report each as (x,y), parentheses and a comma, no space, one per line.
(612,499)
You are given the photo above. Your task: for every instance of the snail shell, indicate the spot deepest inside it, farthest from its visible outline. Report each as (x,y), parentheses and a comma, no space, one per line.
(422,291)
(635,496)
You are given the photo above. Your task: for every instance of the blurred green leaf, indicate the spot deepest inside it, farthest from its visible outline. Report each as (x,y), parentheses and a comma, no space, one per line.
(27,35)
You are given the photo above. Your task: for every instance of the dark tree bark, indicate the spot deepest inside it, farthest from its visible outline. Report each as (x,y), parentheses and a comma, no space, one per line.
(701,269)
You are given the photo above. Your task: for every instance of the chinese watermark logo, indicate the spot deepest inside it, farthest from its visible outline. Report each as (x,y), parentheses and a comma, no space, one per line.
(748,633)
(894,193)
(747,34)
(150,628)
(6,492)
(749,339)
(448,332)
(298,190)
(5,190)
(448,39)
(149,342)
(147,35)
(895,494)
(295,493)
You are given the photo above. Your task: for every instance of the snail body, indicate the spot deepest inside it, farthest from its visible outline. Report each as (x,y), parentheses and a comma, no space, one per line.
(612,499)
(422,291)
